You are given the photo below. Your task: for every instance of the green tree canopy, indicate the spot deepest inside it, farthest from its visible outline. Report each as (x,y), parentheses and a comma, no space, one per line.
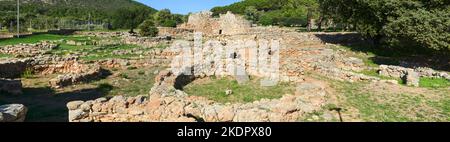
(148,28)
(396,23)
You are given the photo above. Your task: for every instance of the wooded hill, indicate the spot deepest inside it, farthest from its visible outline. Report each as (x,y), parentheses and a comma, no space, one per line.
(52,12)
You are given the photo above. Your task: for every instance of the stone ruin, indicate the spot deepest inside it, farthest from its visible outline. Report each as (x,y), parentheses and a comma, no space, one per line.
(28,50)
(166,103)
(73,71)
(9,71)
(410,76)
(226,24)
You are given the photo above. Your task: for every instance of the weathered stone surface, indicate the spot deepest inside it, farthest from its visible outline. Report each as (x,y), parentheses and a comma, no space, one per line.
(74,105)
(28,50)
(11,86)
(94,73)
(13,68)
(242,79)
(226,23)
(173,106)
(76,114)
(414,74)
(412,78)
(13,113)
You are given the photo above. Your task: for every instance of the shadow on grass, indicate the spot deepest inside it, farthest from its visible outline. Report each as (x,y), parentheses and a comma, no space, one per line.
(401,56)
(45,105)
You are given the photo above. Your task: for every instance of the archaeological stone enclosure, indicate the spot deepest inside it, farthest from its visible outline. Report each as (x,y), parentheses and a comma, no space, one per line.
(204,48)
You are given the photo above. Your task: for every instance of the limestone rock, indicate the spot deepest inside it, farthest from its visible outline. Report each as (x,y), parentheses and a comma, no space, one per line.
(228,92)
(13,113)
(76,114)
(94,73)
(74,105)
(412,78)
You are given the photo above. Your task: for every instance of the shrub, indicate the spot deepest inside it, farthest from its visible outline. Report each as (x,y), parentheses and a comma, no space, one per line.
(147,28)
(28,73)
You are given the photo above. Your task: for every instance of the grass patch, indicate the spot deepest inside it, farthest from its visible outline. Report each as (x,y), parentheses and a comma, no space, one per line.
(95,53)
(105,87)
(64,49)
(162,46)
(434,82)
(28,73)
(132,83)
(214,89)
(38,38)
(124,76)
(5,55)
(99,53)
(389,106)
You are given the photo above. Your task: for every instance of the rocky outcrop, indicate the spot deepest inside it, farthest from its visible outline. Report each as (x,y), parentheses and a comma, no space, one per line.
(11,86)
(13,113)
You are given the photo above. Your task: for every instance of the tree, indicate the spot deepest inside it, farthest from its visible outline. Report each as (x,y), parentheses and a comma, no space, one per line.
(420,27)
(130,18)
(251,13)
(148,28)
(274,12)
(414,24)
(165,18)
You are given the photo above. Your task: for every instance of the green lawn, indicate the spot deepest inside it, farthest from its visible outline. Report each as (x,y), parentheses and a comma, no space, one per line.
(214,89)
(132,82)
(390,106)
(5,55)
(95,52)
(434,82)
(105,52)
(38,38)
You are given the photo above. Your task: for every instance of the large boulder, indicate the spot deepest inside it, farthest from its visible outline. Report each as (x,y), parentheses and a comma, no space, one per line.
(13,113)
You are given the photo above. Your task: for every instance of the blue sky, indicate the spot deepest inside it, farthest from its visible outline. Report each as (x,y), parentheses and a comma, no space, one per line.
(186,6)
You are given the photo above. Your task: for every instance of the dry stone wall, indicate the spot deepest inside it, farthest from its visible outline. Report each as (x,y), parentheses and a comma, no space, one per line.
(167,104)
(77,76)
(28,50)
(409,75)
(13,68)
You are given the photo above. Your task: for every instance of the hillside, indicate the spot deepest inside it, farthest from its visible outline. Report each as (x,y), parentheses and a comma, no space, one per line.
(36,11)
(272,12)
